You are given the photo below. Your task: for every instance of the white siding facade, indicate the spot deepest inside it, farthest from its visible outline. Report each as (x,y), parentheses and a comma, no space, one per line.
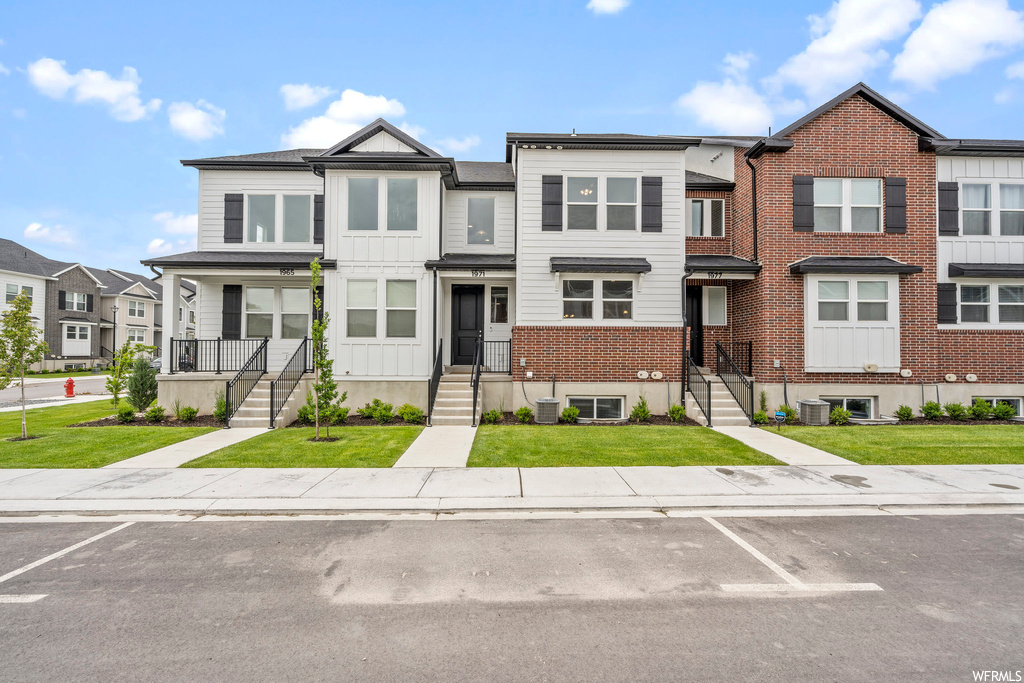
(19,281)
(456,219)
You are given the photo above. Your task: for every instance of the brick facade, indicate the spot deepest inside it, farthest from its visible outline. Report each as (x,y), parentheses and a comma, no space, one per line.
(73,280)
(712,245)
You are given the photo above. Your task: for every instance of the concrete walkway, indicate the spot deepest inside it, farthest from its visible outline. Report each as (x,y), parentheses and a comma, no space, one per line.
(180,453)
(779,447)
(854,488)
(439,446)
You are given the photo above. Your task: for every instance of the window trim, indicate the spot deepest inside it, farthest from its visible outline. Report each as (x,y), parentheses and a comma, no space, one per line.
(995,210)
(308,312)
(597,308)
(870,399)
(494,220)
(134,305)
(601,204)
(993,322)
(78,337)
(278,215)
(847,206)
(414,308)
(853,298)
(382,205)
(71,301)
(707,229)
(246,313)
(706,306)
(136,330)
(375,308)
(994,399)
(19,289)
(594,399)
(508,302)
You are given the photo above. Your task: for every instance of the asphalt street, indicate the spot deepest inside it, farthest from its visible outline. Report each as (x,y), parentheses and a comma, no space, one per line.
(33,390)
(514,600)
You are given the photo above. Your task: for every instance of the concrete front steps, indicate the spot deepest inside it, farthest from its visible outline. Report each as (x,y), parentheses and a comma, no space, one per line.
(255,409)
(454,403)
(725,411)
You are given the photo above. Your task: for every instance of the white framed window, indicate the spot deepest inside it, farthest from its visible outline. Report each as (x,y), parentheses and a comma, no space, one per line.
(1014,401)
(401,197)
(860,408)
(706,218)
(1011,303)
(617,299)
(621,197)
(991,208)
(136,309)
(136,335)
(362,204)
(480,220)
(591,299)
(179,314)
(192,317)
(715,305)
(13,291)
(499,305)
(75,302)
(976,217)
(262,218)
(995,303)
(400,308)
(847,205)
(975,303)
(581,201)
(1011,209)
(597,407)
(259,312)
(578,299)
(872,300)
(601,202)
(76,332)
(834,300)
(395,200)
(264,213)
(295,307)
(361,308)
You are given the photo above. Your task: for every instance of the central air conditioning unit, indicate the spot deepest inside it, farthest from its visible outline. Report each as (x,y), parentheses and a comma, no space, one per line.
(814,411)
(547,411)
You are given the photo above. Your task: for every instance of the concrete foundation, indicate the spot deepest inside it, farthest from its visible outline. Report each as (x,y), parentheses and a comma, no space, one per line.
(659,395)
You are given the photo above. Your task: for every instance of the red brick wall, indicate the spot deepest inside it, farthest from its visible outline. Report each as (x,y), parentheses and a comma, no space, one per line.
(596,354)
(712,245)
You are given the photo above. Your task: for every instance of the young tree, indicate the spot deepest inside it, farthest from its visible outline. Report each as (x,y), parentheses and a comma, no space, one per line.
(20,346)
(124,360)
(325,389)
(142,385)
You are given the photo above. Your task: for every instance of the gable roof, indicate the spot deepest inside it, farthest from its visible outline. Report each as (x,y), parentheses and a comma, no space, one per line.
(287,159)
(20,259)
(367,132)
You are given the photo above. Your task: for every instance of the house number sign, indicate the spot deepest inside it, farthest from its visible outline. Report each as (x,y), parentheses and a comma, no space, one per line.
(478,273)
(287,271)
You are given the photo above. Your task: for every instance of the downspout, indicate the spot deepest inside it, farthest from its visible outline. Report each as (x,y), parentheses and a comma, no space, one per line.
(433,333)
(753,199)
(687,272)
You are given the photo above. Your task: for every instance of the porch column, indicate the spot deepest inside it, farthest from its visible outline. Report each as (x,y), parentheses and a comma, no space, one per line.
(171,329)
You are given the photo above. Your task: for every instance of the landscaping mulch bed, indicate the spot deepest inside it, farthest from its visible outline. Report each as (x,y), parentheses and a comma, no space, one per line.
(509,419)
(111,421)
(920,421)
(359,421)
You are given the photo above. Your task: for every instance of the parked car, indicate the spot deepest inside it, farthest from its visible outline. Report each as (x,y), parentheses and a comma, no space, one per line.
(155,363)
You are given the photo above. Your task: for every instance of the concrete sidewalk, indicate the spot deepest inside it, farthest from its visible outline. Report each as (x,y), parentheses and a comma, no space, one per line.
(428,490)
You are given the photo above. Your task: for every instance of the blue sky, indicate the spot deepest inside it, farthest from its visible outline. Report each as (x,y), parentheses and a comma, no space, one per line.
(98,105)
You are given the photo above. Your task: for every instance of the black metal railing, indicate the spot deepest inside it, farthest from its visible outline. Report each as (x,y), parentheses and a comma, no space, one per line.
(478,361)
(435,380)
(740,386)
(106,353)
(210,355)
(742,354)
(699,387)
(498,356)
(282,387)
(239,386)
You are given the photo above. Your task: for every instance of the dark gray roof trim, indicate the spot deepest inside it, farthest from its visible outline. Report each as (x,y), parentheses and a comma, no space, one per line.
(768,145)
(284,160)
(869,265)
(609,141)
(983,148)
(729,264)
(471,261)
(569,264)
(240,259)
(996,270)
(372,129)
(383,162)
(702,181)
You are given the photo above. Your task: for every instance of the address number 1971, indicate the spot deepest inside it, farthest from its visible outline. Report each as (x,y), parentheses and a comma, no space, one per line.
(478,273)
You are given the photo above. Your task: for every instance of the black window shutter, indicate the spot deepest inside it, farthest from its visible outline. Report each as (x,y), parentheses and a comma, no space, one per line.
(62,300)
(233,218)
(650,211)
(949,209)
(896,205)
(319,315)
(231,312)
(803,203)
(947,303)
(318,219)
(551,203)
(88,303)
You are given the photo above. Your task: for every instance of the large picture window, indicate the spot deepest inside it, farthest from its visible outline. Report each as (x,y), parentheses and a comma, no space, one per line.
(480,220)
(847,205)
(580,302)
(401,203)
(362,204)
(396,199)
(293,213)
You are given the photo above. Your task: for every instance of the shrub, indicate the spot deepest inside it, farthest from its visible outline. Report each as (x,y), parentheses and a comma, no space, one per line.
(155,414)
(491,417)
(1004,411)
(188,414)
(762,402)
(641,411)
(126,414)
(524,414)
(372,407)
(931,410)
(790,414)
(220,408)
(410,414)
(142,385)
(839,416)
(677,413)
(761,417)
(570,414)
(383,414)
(905,413)
(305,414)
(339,415)
(955,411)
(981,410)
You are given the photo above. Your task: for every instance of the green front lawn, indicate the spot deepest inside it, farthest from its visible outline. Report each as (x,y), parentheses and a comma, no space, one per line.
(561,446)
(61,447)
(291,447)
(917,444)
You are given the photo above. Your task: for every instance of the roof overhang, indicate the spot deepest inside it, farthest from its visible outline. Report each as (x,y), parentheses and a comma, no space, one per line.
(75,321)
(473,262)
(853,265)
(572,264)
(241,260)
(558,141)
(718,267)
(382,162)
(980,148)
(987,270)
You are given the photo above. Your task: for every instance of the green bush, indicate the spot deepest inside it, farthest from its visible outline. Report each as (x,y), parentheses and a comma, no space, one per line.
(1004,411)
(955,411)
(188,414)
(524,414)
(372,407)
(383,414)
(641,411)
(126,414)
(142,385)
(677,413)
(220,408)
(790,414)
(305,415)
(762,402)
(155,414)
(981,410)
(570,414)
(905,413)
(410,414)
(761,417)
(491,417)
(339,415)
(931,410)
(839,416)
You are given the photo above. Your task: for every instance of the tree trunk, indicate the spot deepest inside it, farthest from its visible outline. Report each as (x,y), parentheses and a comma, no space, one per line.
(316,399)
(24,429)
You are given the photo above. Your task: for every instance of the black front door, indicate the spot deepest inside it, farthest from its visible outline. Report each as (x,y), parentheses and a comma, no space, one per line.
(467,321)
(695,319)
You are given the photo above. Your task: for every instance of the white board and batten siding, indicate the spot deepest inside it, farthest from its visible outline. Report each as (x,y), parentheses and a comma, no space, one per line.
(658,294)
(456,222)
(847,346)
(384,143)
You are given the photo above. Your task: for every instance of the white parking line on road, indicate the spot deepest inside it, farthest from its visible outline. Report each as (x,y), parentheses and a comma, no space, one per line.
(12,599)
(792,583)
(62,553)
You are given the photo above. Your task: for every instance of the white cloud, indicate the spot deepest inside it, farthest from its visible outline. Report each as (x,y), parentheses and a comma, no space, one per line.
(1015,71)
(727,107)
(300,96)
(412,130)
(607,6)
(199,121)
(456,146)
(1004,96)
(846,46)
(4,71)
(954,37)
(159,247)
(121,95)
(736,64)
(38,232)
(178,224)
(344,116)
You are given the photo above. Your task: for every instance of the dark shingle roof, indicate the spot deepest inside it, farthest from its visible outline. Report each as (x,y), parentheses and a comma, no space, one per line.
(471,261)
(20,259)
(484,172)
(240,259)
(282,156)
(994,270)
(875,265)
(574,264)
(702,181)
(731,264)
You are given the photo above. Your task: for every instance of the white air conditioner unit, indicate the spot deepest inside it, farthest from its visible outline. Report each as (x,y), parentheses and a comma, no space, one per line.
(547,411)
(814,411)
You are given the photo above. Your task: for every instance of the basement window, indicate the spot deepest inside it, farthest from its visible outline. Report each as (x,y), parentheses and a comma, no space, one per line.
(1015,402)
(860,408)
(597,407)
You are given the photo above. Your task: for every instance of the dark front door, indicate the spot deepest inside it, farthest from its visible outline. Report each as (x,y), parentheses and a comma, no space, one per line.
(695,320)
(467,321)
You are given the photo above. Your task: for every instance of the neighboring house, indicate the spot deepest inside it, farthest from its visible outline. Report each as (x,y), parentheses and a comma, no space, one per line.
(135,298)
(186,312)
(855,256)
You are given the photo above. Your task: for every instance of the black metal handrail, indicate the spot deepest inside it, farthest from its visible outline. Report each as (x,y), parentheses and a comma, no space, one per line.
(239,386)
(435,380)
(478,360)
(699,387)
(106,353)
(741,387)
(742,354)
(498,356)
(282,387)
(210,355)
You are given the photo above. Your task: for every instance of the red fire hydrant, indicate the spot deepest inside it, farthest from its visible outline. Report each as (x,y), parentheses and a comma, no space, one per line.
(69,388)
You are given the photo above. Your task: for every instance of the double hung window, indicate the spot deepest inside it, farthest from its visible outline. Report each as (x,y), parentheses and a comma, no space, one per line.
(992,209)
(847,205)
(75,301)
(259,312)
(978,301)
(578,298)
(77,332)
(872,300)
(601,202)
(136,335)
(400,305)
(12,292)
(136,309)
(362,306)
(295,305)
